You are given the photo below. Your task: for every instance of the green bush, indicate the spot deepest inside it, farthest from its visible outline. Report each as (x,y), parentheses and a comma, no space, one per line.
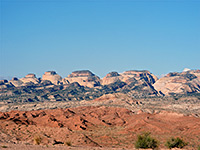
(175,142)
(144,140)
(199,148)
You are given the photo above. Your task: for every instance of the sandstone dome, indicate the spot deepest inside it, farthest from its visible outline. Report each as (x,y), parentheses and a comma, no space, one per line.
(30,78)
(53,77)
(129,76)
(111,77)
(84,78)
(179,83)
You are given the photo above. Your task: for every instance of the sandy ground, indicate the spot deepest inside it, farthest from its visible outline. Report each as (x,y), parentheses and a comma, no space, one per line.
(57,147)
(61,147)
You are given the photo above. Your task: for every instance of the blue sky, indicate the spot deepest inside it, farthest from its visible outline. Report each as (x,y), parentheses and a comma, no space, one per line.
(99,35)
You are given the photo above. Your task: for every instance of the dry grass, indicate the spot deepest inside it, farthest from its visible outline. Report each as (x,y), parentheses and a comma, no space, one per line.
(68,143)
(37,140)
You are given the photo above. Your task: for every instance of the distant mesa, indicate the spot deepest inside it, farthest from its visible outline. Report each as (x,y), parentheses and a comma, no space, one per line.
(112,74)
(30,78)
(3,82)
(16,82)
(149,77)
(110,78)
(50,73)
(84,78)
(184,82)
(53,77)
(186,69)
(133,82)
(14,79)
(131,72)
(127,75)
(81,73)
(30,75)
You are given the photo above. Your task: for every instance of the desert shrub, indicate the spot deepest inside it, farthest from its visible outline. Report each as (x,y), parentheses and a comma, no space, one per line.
(4,146)
(199,148)
(37,140)
(68,143)
(175,142)
(145,140)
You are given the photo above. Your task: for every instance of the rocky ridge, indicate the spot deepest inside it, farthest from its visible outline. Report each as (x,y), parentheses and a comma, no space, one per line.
(179,83)
(85,85)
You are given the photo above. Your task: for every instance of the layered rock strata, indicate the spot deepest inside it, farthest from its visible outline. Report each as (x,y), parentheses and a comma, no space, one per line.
(53,77)
(84,78)
(30,78)
(179,83)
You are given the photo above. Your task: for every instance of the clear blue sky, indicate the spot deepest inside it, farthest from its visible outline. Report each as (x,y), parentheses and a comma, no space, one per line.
(100,35)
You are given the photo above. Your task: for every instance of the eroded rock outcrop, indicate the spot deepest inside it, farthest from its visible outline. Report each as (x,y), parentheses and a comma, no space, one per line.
(53,77)
(146,75)
(129,76)
(84,78)
(30,78)
(179,83)
(111,78)
(5,84)
(136,82)
(16,82)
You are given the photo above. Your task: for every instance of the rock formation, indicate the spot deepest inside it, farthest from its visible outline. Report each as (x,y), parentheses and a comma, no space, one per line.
(16,82)
(129,76)
(186,69)
(111,78)
(30,78)
(5,84)
(179,83)
(137,82)
(146,75)
(84,78)
(53,77)
(134,83)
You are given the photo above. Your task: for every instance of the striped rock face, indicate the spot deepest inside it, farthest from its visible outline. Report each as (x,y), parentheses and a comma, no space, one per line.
(84,77)
(30,78)
(52,76)
(129,76)
(180,83)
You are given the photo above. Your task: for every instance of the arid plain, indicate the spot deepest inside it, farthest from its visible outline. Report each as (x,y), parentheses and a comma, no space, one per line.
(83,111)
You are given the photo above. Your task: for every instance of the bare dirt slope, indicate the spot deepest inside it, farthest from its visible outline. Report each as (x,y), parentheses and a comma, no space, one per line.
(95,126)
